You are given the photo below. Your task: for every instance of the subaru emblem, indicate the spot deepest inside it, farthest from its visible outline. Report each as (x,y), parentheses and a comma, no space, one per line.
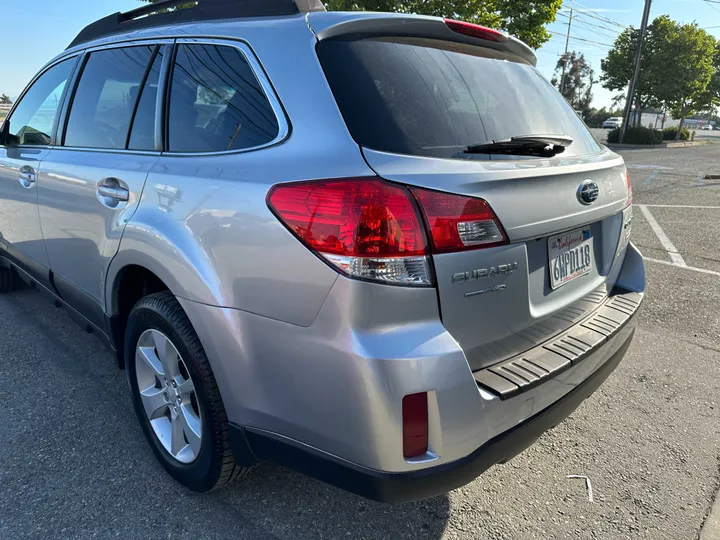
(588,192)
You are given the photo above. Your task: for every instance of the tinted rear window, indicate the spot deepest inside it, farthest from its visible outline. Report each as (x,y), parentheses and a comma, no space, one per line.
(432,98)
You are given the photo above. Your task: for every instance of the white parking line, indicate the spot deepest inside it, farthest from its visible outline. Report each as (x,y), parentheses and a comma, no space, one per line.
(681,206)
(684,267)
(648,166)
(664,240)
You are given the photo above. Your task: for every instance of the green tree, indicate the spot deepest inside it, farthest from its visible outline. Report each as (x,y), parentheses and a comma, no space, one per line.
(680,67)
(5,100)
(617,68)
(579,80)
(688,54)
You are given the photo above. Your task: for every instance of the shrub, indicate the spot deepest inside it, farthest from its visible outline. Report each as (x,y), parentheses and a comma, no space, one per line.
(636,135)
(670,133)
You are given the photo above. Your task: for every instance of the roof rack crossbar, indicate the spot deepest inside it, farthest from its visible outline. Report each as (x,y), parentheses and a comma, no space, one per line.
(157,14)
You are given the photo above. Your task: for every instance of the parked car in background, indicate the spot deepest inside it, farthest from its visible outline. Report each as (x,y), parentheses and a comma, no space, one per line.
(376,248)
(612,123)
(707,127)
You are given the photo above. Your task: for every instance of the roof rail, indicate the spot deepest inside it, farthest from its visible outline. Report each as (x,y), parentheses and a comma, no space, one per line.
(156,14)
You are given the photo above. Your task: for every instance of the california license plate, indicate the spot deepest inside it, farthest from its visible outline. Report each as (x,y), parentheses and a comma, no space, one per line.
(570,255)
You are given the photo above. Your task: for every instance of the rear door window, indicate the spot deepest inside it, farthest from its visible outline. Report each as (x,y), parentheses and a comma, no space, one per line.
(433,98)
(216,102)
(105,98)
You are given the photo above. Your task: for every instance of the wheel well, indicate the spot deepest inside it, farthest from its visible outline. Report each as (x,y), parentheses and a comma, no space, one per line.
(132,284)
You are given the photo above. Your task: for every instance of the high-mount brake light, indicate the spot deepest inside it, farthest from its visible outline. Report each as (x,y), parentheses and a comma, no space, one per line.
(372,229)
(475,30)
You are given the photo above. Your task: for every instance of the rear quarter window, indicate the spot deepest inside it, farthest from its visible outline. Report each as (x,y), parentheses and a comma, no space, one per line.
(432,98)
(217,103)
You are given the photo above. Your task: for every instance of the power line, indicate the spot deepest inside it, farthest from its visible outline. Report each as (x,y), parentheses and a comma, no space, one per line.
(592,28)
(616,30)
(583,39)
(709,3)
(593,23)
(596,14)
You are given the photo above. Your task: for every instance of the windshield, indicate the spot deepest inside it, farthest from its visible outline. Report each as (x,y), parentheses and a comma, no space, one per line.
(434,98)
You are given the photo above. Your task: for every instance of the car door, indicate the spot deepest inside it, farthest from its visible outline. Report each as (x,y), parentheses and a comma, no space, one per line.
(30,129)
(90,185)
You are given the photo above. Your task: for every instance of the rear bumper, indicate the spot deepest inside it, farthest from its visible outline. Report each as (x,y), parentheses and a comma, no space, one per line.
(326,399)
(424,483)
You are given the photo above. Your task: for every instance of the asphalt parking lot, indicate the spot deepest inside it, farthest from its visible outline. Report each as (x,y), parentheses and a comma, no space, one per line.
(75,465)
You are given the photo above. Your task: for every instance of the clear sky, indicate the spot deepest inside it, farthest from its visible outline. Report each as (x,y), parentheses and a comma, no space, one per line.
(34,31)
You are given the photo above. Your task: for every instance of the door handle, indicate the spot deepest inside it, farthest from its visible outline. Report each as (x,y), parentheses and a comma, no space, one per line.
(27,176)
(117,193)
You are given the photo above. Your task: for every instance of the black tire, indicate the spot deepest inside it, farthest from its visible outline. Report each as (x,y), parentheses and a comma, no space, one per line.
(214,466)
(10,281)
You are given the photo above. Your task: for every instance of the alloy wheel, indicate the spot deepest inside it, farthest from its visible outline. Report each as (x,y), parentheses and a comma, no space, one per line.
(168,396)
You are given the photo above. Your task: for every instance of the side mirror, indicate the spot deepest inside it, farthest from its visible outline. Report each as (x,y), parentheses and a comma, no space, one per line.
(5,133)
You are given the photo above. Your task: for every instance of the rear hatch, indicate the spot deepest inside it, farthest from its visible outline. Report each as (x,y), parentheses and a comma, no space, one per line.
(415,103)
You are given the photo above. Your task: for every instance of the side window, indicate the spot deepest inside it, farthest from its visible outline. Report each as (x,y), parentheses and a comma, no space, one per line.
(216,102)
(142,134)
(105,97)
(32,120)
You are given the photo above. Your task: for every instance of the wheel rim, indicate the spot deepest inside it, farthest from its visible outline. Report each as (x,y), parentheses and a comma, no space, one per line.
(168,396)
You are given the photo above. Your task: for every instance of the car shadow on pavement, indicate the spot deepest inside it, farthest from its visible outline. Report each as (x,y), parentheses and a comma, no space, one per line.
(74,458)
(308,508)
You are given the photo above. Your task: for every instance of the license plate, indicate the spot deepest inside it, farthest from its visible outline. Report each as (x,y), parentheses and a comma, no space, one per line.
(570,256)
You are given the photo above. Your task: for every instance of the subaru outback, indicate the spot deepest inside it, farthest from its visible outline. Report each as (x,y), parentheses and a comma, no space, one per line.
(380,249)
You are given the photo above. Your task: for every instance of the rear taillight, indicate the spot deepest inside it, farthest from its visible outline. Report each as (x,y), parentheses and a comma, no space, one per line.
(629,186)
(372,229)
(459,223)
(415,424)
(365,227)
(475,30)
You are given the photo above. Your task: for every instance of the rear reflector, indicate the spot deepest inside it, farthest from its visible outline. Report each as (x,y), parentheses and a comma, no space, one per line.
(415,424)
(475,30)
(365,227)
(459,223)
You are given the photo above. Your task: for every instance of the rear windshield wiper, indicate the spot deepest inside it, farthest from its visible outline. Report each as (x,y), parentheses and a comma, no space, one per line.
(524,145)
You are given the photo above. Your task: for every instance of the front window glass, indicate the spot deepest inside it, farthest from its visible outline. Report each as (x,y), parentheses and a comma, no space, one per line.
(34,116)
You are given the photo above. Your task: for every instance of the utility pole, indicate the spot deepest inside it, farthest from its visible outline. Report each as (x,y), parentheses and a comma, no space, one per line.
(636,74)
(565,56)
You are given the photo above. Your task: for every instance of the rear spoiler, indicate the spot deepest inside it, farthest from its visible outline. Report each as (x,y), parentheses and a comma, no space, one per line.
(364,25)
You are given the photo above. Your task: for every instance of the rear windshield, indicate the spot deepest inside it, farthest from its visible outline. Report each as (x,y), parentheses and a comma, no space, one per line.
(433,98)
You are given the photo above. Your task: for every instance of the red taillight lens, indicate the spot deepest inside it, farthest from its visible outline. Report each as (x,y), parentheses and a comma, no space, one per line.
(475,30)
(629,186)
(415,424)
(372,229)
(459,223)
(354,217)
(366,227)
